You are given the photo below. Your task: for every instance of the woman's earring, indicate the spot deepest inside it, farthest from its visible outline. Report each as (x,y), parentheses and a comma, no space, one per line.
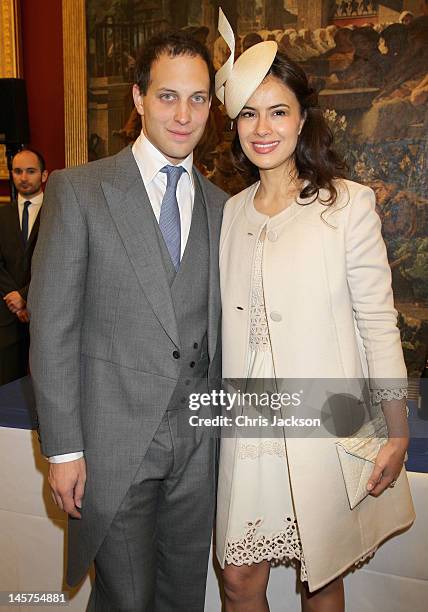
(231,125)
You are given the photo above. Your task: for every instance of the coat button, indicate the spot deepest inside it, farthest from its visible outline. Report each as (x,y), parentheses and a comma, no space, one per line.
(272,236)
(176,354)
(195,345)
(275,316)
(192,364)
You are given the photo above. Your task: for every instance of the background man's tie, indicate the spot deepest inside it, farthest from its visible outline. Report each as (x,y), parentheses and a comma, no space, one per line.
(169,220)
(24,229)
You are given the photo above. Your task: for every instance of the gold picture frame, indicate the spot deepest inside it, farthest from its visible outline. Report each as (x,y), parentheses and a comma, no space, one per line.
(75,82)
(74,61)
(10,55)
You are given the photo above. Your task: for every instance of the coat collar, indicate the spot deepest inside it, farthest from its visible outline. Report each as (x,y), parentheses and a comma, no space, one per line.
(214,218)
(133,216)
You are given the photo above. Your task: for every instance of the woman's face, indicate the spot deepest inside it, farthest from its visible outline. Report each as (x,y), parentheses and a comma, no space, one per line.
(269,125)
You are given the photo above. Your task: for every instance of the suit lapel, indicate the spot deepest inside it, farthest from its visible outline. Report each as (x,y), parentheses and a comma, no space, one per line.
(17,226)
(214,215)
(133,216)
(34,231)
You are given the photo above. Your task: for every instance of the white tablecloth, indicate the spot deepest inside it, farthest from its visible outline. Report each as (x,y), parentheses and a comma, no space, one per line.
(32,533)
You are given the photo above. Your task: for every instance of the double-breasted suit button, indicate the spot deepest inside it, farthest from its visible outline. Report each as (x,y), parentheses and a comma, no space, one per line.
(196,345)
(176,354)
(275,316)
(272,236)
(192,364)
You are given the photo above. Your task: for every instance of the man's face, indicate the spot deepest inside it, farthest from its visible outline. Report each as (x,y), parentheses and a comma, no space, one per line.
(27,175)
(175,108)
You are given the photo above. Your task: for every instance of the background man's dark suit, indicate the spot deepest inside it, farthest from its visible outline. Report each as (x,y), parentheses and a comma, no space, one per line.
(15,269)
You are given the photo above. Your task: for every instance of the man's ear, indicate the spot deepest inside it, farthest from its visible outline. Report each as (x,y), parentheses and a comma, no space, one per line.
(45,175)
(138,99)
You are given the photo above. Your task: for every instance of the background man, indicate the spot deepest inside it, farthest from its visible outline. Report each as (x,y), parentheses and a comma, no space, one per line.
(126,299)
(19,226)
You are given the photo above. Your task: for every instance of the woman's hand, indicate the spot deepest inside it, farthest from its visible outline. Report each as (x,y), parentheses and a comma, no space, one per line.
(388,465)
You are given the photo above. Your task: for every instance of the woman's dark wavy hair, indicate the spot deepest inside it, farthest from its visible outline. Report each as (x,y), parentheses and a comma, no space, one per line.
(316,161)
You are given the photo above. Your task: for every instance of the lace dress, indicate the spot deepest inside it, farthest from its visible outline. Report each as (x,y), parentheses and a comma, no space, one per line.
(269,529)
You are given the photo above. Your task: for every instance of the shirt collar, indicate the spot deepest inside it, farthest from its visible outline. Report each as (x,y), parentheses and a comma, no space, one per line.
(150,160)
(37,199)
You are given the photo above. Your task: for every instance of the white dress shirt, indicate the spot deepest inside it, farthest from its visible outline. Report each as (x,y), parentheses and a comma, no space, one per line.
(33,209)
(150,161)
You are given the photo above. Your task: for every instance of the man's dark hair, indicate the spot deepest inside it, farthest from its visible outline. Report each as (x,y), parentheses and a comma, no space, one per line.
(173,44)
(39,156)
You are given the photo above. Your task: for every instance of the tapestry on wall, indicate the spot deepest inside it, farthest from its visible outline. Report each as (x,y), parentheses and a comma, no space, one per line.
(368,61)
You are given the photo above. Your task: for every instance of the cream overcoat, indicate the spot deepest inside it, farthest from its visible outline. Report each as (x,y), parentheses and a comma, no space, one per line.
(330,311)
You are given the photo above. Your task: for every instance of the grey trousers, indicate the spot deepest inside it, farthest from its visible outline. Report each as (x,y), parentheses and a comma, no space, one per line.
(155,555)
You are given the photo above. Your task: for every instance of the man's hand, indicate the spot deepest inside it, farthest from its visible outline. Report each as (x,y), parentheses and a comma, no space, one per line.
(14,301)
(67,481)
(23,315)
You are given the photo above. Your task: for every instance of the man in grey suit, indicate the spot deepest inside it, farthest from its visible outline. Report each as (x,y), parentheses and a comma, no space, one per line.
(125,312)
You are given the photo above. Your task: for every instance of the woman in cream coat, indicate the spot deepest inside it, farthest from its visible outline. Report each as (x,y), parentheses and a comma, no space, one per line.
(306,293)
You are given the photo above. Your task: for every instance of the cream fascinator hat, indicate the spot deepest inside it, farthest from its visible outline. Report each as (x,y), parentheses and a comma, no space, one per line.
(236,82)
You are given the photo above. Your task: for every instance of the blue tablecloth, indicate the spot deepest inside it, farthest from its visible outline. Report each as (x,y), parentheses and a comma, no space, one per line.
(17,405)
(418,447)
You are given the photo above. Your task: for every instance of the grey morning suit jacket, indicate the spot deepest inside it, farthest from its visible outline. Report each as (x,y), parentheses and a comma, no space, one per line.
(104,331)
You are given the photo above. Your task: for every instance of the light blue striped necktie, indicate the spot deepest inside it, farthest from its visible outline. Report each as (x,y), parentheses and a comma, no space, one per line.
(169,220)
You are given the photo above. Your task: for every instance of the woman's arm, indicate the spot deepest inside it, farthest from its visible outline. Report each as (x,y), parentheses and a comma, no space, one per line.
(369,280)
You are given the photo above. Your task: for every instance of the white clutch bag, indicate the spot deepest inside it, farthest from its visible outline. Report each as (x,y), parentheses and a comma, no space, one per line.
(357,455)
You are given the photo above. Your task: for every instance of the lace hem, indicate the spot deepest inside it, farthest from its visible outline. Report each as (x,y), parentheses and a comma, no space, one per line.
(254,450)
(388,394)
(283,546)
(252,548)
